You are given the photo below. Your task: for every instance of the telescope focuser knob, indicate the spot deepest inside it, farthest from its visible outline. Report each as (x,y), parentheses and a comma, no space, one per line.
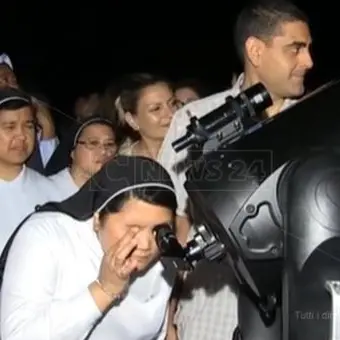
(214,251)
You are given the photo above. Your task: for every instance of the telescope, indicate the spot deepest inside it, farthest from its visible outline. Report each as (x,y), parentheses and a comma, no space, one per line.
(266,199)
(229,121)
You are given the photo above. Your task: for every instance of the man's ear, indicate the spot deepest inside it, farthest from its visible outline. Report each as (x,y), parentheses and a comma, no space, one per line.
(131,121)
(254,49)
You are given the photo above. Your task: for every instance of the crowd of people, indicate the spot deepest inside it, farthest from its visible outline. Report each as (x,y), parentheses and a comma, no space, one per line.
(80,203)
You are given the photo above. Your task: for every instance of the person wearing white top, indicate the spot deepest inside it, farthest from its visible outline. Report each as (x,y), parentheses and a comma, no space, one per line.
(47,140)
(93,145)
(145,107)
(89,267)
(21,188)
(277,55)
(65,182)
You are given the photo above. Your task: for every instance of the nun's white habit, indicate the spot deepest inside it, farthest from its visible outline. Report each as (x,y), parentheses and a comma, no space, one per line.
(65,183)
(56,255)
(63,179)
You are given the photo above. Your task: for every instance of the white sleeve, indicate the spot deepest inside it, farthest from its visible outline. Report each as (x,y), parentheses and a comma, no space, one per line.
(167,155)
(29,310)
(169,159)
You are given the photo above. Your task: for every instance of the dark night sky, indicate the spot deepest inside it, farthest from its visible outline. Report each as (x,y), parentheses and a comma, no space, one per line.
(65,51)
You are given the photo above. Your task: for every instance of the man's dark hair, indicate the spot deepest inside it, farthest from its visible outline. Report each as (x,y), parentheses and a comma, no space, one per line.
(261,19)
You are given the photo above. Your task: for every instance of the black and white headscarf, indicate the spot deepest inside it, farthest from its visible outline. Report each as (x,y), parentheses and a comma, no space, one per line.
(90,121)
(119,175)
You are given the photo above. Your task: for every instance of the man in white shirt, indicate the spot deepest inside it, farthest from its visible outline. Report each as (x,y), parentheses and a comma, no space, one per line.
(273,41)
(47,138)
(21,188)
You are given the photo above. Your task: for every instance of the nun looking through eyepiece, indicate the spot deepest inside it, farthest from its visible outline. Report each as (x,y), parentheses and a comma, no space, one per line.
(94,143)
(89,267)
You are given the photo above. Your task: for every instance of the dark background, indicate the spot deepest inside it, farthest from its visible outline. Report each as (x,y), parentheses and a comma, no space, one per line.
(65,49)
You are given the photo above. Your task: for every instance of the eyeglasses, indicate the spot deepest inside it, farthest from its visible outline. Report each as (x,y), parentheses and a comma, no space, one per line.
(96,145)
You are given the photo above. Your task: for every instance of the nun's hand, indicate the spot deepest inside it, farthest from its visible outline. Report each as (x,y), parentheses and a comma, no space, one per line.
(117,265)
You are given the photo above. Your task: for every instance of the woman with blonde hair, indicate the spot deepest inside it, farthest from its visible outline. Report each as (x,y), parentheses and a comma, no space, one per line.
(145,108)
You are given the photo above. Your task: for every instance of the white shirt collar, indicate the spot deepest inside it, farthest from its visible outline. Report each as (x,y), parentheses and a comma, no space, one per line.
(18,178)
(237,87)
(239,82)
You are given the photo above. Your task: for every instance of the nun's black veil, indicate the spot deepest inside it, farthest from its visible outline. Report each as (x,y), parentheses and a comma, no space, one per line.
(121,174)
